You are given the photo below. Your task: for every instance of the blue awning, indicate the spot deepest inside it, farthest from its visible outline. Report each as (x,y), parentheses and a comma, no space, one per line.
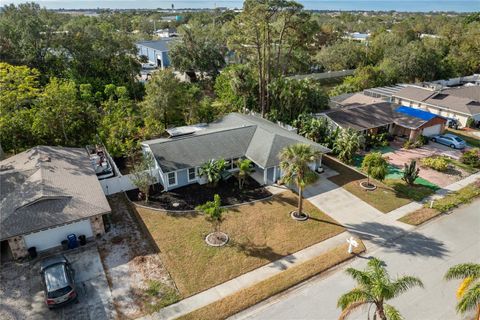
(417,113)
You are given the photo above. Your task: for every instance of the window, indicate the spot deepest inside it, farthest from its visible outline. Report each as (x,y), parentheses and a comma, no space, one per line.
(192,175)
(172,178)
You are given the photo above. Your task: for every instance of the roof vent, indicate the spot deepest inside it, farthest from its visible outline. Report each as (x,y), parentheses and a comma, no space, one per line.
(44,159)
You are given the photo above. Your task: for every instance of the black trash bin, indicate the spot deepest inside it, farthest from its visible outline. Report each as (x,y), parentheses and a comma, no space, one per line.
(65,244)
(32,251)
(82,239)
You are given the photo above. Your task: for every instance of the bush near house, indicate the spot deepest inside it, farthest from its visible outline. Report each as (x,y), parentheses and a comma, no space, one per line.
(471,157)
(436,163)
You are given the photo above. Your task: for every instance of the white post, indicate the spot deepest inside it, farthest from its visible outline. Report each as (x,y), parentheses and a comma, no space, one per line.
(351,244)
(265,171)
(431,204)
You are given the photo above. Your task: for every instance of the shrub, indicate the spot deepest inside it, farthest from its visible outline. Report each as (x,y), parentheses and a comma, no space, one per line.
(436,163)
(470,122)
(471,157)
(375,166)
(421,141)
(408,145)
(462,196)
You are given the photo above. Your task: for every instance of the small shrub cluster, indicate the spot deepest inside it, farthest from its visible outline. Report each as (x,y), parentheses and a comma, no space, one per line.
(436,163)
(376,140)
(471,157)
(419,142)
(453,200)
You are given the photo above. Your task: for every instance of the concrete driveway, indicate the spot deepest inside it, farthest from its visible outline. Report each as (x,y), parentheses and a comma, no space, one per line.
(401,156)
(21,292)
(427,253)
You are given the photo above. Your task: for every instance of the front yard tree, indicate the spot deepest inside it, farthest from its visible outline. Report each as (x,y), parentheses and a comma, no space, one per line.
(410,172)
(212,170)
(142,175)
(468,292)
(375,166)
(214,213)
(294,161)
(244,170)
(347,144)
(374,287)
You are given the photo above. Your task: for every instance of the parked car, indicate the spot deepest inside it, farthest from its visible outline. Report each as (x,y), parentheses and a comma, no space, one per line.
(450,140)
(58,279)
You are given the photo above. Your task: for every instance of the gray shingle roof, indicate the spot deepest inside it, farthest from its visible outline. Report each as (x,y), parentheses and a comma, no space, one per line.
(415,93)
(235,135)
(48,186)
(162,44)
(461,99)
(363,117)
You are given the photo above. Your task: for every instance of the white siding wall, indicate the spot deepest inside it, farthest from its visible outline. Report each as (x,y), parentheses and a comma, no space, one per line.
(50,238)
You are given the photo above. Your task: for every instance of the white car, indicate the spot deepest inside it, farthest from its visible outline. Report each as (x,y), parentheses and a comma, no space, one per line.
(450,140)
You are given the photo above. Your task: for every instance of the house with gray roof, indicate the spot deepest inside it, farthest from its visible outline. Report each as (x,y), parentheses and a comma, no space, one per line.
(458,103)
(372,115)
(46,194)
(235,136)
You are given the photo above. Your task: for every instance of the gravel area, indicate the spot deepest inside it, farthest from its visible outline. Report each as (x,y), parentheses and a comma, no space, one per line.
(132,263)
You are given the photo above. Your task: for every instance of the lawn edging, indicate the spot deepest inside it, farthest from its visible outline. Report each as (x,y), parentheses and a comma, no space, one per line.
(195,211)
(276,284)
(442,205)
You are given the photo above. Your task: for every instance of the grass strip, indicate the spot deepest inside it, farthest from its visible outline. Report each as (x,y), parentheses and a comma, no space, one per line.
(263,290)
(447,203)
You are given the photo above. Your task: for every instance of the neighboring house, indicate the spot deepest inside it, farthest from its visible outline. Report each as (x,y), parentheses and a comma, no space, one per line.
(166,33)
(356,36)
(458,103)
(46,194)
(382,116)
(156,51)
(233,137)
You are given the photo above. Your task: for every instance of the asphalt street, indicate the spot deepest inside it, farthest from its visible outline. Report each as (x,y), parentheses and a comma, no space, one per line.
(426,252)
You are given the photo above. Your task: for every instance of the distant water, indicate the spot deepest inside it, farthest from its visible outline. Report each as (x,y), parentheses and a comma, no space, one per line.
(345,5)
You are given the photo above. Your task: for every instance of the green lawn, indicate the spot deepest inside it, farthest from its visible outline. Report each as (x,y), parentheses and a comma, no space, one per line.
(388,196)
(260,233)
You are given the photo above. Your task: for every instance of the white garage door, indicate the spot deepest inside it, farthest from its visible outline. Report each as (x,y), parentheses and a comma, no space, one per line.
(433,130)
(50,238)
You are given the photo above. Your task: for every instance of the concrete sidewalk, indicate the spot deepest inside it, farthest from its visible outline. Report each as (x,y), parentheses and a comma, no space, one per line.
(246,280)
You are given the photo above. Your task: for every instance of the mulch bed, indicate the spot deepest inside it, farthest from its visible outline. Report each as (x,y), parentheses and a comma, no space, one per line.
(190,196)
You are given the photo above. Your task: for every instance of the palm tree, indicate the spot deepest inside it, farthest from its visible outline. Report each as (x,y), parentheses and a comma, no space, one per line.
(468,292)
(244,170)
(212,170)
(241,83)
(347,144)
(294,161)
(213,211)
(374,287)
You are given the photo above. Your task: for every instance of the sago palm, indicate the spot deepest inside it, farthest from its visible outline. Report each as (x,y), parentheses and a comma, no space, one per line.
(294,161)
(374,287)
(468,292)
